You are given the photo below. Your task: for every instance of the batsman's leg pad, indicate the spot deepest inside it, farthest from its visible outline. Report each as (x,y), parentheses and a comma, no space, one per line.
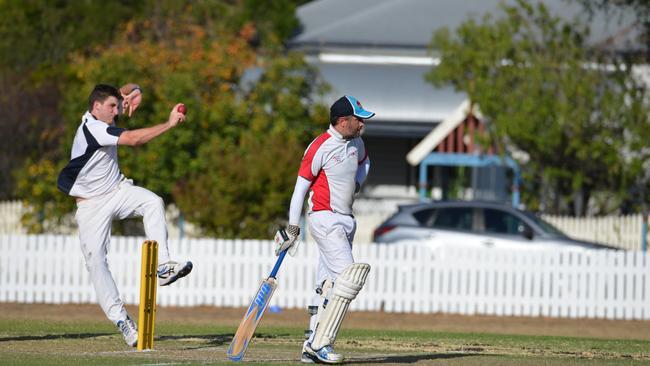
(345,289)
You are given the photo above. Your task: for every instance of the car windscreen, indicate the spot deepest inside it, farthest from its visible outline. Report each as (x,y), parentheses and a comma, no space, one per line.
(545,226)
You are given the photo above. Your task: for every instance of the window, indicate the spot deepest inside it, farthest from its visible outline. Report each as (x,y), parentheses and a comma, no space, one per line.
(424,217)
(457,218)
(501,222)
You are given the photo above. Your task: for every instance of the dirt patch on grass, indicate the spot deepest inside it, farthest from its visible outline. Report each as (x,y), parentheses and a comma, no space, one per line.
(595,328)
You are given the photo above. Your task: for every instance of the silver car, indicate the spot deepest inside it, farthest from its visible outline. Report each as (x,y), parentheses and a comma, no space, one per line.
(474,223)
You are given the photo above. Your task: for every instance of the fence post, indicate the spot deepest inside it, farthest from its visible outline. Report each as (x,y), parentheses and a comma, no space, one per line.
(644,232)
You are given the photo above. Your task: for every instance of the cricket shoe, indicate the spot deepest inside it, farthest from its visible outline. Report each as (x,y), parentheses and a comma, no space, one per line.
(171,271)
(129,331)
(305,357)
(324,355)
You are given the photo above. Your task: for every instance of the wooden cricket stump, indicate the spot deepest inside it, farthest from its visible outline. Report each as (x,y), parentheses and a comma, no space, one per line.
(148,284)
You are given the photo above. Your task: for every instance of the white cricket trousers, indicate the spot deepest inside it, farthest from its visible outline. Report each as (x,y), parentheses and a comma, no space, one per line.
(94,217)
(333,233)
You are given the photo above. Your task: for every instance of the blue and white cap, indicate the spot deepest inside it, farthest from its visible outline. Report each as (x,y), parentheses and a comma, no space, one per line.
(348,106)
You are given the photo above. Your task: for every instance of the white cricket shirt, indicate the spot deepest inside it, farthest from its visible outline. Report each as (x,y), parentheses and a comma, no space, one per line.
(93,169)
(330,163)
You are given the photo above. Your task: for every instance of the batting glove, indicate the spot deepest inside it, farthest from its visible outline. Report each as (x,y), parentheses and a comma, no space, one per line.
(290,244)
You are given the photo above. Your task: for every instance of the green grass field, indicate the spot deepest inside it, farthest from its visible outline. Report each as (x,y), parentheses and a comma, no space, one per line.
(74,341)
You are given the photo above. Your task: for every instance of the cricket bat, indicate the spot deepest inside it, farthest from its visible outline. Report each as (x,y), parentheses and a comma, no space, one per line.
(255,311)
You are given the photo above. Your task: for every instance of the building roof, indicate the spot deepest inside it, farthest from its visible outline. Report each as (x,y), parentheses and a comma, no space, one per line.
(411,23)
(398,94)
(378,51)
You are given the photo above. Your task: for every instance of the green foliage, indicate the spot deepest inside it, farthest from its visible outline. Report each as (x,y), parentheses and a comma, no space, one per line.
(209,164)
(36,38)
(242,181)
(271,18)
(47,209)
(41,33)
(546,93)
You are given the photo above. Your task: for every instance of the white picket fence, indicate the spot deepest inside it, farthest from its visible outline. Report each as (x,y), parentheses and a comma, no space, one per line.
(619,231)
(10,213)
(404,278)
(624,232)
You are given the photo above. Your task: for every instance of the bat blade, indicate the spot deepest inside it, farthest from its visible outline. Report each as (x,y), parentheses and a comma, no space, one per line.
(251,319)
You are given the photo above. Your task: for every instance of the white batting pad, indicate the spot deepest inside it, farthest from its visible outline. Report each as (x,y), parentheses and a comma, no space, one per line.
(347,286)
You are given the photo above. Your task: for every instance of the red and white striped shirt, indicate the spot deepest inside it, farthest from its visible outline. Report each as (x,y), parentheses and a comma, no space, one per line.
(330,163)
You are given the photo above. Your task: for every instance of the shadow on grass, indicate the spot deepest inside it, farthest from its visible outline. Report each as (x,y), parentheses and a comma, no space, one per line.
(405,358)
(216,340)
(48,337)
(212,340)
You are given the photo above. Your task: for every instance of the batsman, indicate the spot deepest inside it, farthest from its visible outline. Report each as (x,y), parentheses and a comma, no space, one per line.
(333,168)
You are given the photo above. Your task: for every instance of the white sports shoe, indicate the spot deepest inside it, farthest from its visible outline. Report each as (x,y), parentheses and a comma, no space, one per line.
(171,271)
(129,331)
(324,355)
(306,357)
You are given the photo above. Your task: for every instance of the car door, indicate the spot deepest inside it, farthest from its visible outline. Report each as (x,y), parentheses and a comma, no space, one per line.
(454,226)
(401,231)
(502,229)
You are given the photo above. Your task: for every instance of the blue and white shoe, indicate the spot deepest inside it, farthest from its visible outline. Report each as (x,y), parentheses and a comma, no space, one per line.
(324,355)
(171,271)
(129,331)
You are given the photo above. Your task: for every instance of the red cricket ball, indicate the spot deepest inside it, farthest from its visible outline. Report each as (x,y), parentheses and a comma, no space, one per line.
(181,108)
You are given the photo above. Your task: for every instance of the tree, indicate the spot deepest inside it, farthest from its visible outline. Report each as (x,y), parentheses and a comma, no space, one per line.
(634,16)
(190,58)
(36,37)
(39,37)
(639,10)
(242,182)
(547,93)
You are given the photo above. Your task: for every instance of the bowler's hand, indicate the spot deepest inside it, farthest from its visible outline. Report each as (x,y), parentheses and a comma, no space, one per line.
(176,117)
(132,102)
(132,97)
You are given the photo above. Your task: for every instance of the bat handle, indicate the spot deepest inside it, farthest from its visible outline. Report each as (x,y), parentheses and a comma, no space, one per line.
(274,272)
